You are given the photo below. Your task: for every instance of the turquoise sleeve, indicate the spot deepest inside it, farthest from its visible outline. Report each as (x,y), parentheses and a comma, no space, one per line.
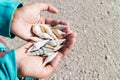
(8,68)
(7,9)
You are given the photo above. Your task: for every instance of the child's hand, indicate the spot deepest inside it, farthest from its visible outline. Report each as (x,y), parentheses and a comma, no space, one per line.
(32,66)
(24,17)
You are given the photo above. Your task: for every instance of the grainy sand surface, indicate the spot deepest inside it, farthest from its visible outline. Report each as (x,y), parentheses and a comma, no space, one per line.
(96,54)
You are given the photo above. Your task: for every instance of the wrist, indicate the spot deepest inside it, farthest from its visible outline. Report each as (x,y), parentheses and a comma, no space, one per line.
(14,18)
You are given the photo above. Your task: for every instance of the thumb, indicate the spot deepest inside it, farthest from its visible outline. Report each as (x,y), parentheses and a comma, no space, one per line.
(51,67)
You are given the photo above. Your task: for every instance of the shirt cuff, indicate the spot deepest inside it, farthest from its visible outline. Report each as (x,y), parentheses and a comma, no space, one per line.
(6,14)
(8,67)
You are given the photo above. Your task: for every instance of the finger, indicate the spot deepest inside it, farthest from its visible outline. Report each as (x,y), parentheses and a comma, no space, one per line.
(70,42)
(47,7)
(51,66)
(54,22)
(51,22)
(64,23)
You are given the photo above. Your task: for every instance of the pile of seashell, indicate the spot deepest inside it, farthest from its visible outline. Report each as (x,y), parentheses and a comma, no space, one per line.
(48,41)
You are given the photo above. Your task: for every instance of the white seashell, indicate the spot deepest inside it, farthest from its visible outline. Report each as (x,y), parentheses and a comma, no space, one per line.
(48,54)
(60,32)
(36,53)
(46,51)
(38,45)
(58,47)
(55,32)
(60,41)
(36,29)
(56,42)
(48,30)
(35,39)
(40,52)
(45,36)
(50,58)
(48,42)
(60,27)
(52,43)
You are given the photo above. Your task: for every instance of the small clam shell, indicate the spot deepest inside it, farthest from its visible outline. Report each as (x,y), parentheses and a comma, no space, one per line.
(37,45)
(50,58)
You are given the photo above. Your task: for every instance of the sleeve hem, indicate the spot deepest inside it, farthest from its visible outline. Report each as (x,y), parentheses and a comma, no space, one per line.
(8,66)
(6,15)
(11,35)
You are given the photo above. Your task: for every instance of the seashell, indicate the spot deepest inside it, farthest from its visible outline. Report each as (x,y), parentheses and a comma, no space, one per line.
(60,27)
(38,45)
(55,42)
(36,29)
(60,41)
(35,39)
(45,36)
(47,29)
(48,42)
(58,47)
(49,46)
(50,58)
(52,43)
(46,51)
(60,32)
(43,28)
(56,33)
(39,52)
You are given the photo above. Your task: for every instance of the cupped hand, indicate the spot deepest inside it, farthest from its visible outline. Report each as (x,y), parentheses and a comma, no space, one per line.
(24,17)
(32,66)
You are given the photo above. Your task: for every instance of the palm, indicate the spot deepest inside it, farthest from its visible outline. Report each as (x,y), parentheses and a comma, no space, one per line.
(32,66)
(23,19)
(26,16)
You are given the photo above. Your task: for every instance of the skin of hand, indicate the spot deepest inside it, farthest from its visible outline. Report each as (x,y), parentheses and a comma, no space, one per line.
(32,66)
(24,17)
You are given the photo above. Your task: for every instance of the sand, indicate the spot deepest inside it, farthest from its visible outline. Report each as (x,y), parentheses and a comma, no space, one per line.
(96,54)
